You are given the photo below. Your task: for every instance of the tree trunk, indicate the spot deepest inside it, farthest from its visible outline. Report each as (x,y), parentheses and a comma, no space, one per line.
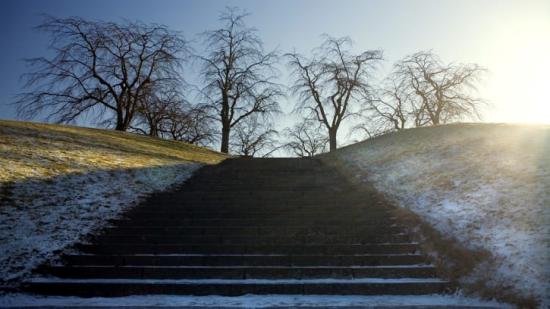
(225,138)
(153,131)
(435,117)
(120,122)
(332,138)
(121,126)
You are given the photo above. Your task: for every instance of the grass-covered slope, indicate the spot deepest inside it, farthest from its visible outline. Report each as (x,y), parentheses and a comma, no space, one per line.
(485,185)
(58,183)
(45,150)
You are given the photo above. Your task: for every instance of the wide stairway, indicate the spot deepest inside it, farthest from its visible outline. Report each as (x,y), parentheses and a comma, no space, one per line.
(249,226)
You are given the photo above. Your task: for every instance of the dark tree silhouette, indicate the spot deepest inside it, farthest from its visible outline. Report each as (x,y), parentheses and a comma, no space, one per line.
(165,113)
(440,93)
(238,74)
(190,124)
(422,91)
(305,139)
(254,138)
(156,109)
(101,67)
(332,82)
(391,107)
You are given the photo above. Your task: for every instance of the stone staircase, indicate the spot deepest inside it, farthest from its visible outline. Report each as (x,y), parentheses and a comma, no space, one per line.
(249,226)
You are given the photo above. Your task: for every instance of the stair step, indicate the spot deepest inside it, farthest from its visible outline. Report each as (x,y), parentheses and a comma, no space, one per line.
(234,235)
(254,203)
(205,202)
(172,229)
(237,222)
(241,272)
(227,213)
(297,185)
(264,177)
(251,239)
(266,196)
(244,260)
(220,214)
(281,186)
(122,287)
(231,213)
(243,249)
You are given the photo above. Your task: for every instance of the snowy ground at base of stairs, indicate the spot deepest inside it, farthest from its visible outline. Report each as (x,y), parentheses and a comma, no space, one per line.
(67,208)
(485,185)
(251,301)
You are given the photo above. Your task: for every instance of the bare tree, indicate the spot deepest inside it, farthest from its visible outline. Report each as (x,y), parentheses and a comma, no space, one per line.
(191,124)
(305,139)
(157,107)
(331,82)
(98,67)
(254,138)
(390,108)
(442,93)
(392,105)
(238,74)
(421,91)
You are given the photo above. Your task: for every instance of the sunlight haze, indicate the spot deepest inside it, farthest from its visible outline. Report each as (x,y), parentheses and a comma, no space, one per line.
(509,38)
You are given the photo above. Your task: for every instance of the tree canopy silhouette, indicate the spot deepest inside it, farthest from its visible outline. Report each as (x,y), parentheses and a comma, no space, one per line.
(332,82)
(439,93)
(305,139)
(238,74)
(101,67)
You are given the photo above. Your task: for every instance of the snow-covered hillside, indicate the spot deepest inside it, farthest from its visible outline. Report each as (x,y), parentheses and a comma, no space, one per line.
(58,183)
(486,185)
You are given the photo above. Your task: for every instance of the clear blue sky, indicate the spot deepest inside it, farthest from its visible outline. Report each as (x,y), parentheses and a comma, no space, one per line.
(510,38)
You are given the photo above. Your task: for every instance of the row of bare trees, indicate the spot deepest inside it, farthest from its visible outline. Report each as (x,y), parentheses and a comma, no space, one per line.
(422,90)
(165,113)
(129,75)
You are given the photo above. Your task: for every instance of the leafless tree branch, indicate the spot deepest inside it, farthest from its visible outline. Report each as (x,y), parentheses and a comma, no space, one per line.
(305,139)
(332,81)
(238,74)
(100,65)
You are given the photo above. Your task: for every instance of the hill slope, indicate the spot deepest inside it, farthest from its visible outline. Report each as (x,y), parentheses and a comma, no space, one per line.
(57,183)
(488,186)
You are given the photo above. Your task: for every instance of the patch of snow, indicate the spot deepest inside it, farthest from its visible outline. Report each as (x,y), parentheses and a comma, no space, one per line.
(488,186)
(251,301)
(51,215)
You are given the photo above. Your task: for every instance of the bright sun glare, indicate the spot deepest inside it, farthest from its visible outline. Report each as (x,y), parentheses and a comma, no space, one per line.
(520,68)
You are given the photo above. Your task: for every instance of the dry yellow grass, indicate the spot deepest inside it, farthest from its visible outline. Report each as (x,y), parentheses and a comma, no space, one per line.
(37,150)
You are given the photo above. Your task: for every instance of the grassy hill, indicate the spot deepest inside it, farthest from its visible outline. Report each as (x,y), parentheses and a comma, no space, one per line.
(58,183)
(45,150)
(485,185)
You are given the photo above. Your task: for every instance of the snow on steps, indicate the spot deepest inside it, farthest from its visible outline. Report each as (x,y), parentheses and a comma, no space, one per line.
(257,301)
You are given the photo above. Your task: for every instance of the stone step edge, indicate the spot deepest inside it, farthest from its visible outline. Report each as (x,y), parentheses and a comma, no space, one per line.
(54,280)
(411,266)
